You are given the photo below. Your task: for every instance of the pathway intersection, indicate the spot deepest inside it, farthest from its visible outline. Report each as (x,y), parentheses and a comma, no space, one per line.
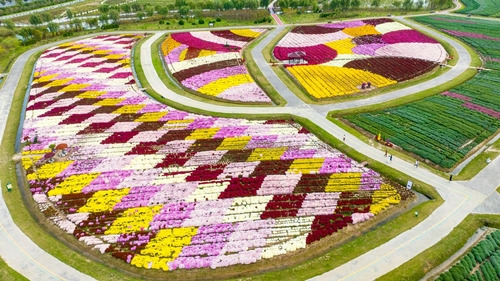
(461,198)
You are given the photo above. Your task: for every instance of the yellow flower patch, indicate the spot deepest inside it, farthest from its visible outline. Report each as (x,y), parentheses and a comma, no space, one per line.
(206,53)
(114,56)
(182,55)
(73,184)
(381,199)
(132,108)
(40,151)
(343,182)
(237,143)
(168,45)
(262,154)
(73,87)
(343,46)
(151,116)
(361,30)
(27,162)
(323,81)
(165,247)
(46,78)
(91,94)
(101,52)
(109,102)
(49,170)
(246,33)
(60,82)
(133,220)
(306,165)
(103,200)
(220,85)
(200,134)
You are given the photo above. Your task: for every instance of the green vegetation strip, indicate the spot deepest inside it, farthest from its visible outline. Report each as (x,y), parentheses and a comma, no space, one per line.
(9,274)
(480,7)
(417,268)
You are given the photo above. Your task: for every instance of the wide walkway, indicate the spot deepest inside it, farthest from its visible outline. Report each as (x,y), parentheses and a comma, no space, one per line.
(461,198)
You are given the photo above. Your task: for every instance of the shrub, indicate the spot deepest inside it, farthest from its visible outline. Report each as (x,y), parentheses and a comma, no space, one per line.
(201,21)
(181,22)
(218,19)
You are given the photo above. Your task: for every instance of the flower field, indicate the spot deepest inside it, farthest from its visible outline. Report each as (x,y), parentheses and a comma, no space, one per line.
(341,57)
(445,128)
(480,7)
(166,189)
(210,63)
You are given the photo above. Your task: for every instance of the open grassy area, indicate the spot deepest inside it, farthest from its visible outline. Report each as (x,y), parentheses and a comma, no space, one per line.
(104,269)
(293,17)
(416,268)
(479,162)
(9,274)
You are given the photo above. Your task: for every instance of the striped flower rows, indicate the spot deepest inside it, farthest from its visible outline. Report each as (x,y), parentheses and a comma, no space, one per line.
(210,63)
(340,59)
(166,189)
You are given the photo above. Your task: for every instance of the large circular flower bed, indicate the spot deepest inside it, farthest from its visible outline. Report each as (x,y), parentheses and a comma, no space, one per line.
(166,189)
(210,63)
(339,59)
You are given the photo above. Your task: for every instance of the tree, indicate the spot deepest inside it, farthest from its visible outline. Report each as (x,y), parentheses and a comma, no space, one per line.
(283,4)
(407,5)
(35,19)
(375,3)
(334,5)
(227,5)
(396,4)
(92,22)
(180,3)
(46,17)
(420,4)
(208,5)
(77,24)
(69,13)
(218,5)
(136,7)
(264,3)
(114,15)
(251,4)
(126,8)
(140,15)
(345,4)
(53,27)
(238,4)
(103,8)
(294,4)
(9,24)
(184,10)
(103,18)
(356,3)
(150,11)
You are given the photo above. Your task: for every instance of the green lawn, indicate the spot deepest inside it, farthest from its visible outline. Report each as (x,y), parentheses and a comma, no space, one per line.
(488,8)
(416,268)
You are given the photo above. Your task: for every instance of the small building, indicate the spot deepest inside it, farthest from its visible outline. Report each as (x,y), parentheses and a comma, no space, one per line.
(296,57)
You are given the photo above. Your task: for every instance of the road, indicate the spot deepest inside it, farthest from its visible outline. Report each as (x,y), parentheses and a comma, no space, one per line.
(461,198)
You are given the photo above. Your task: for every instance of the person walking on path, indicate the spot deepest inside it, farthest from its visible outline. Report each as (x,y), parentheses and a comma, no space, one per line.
(416,164)
(343,139)
(451,177)
(385,153)
(390,157)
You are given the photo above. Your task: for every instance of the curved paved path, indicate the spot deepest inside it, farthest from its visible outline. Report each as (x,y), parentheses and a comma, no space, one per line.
(461,198)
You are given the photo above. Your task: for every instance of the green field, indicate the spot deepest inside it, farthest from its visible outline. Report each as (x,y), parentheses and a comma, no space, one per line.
(482,262)
(443,129)
(9,274)
(488,8)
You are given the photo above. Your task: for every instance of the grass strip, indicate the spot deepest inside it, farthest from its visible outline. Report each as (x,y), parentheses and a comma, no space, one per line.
(417,268)
(479,162)
(9,274)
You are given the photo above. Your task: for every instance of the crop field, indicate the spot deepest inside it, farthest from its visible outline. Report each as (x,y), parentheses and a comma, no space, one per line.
(445,128)
(488,8)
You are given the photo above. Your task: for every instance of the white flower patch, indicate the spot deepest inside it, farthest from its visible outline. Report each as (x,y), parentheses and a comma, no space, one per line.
(206,158)
(246,208)
(77,218)
(90,240)
(207,191)
(186,64)
(69,130)
(425,51)
(305,40)
(210,37)
(236,169)
(144,162)
(384,28)
(177,178)
(64,224)
(102,247)
(112,238)
(341,59)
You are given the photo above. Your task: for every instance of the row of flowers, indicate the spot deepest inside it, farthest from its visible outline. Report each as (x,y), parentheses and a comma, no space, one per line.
(210,63)
(376,46)
(166,189)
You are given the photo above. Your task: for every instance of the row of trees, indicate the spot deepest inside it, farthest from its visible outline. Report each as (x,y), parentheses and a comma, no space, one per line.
(21,6)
